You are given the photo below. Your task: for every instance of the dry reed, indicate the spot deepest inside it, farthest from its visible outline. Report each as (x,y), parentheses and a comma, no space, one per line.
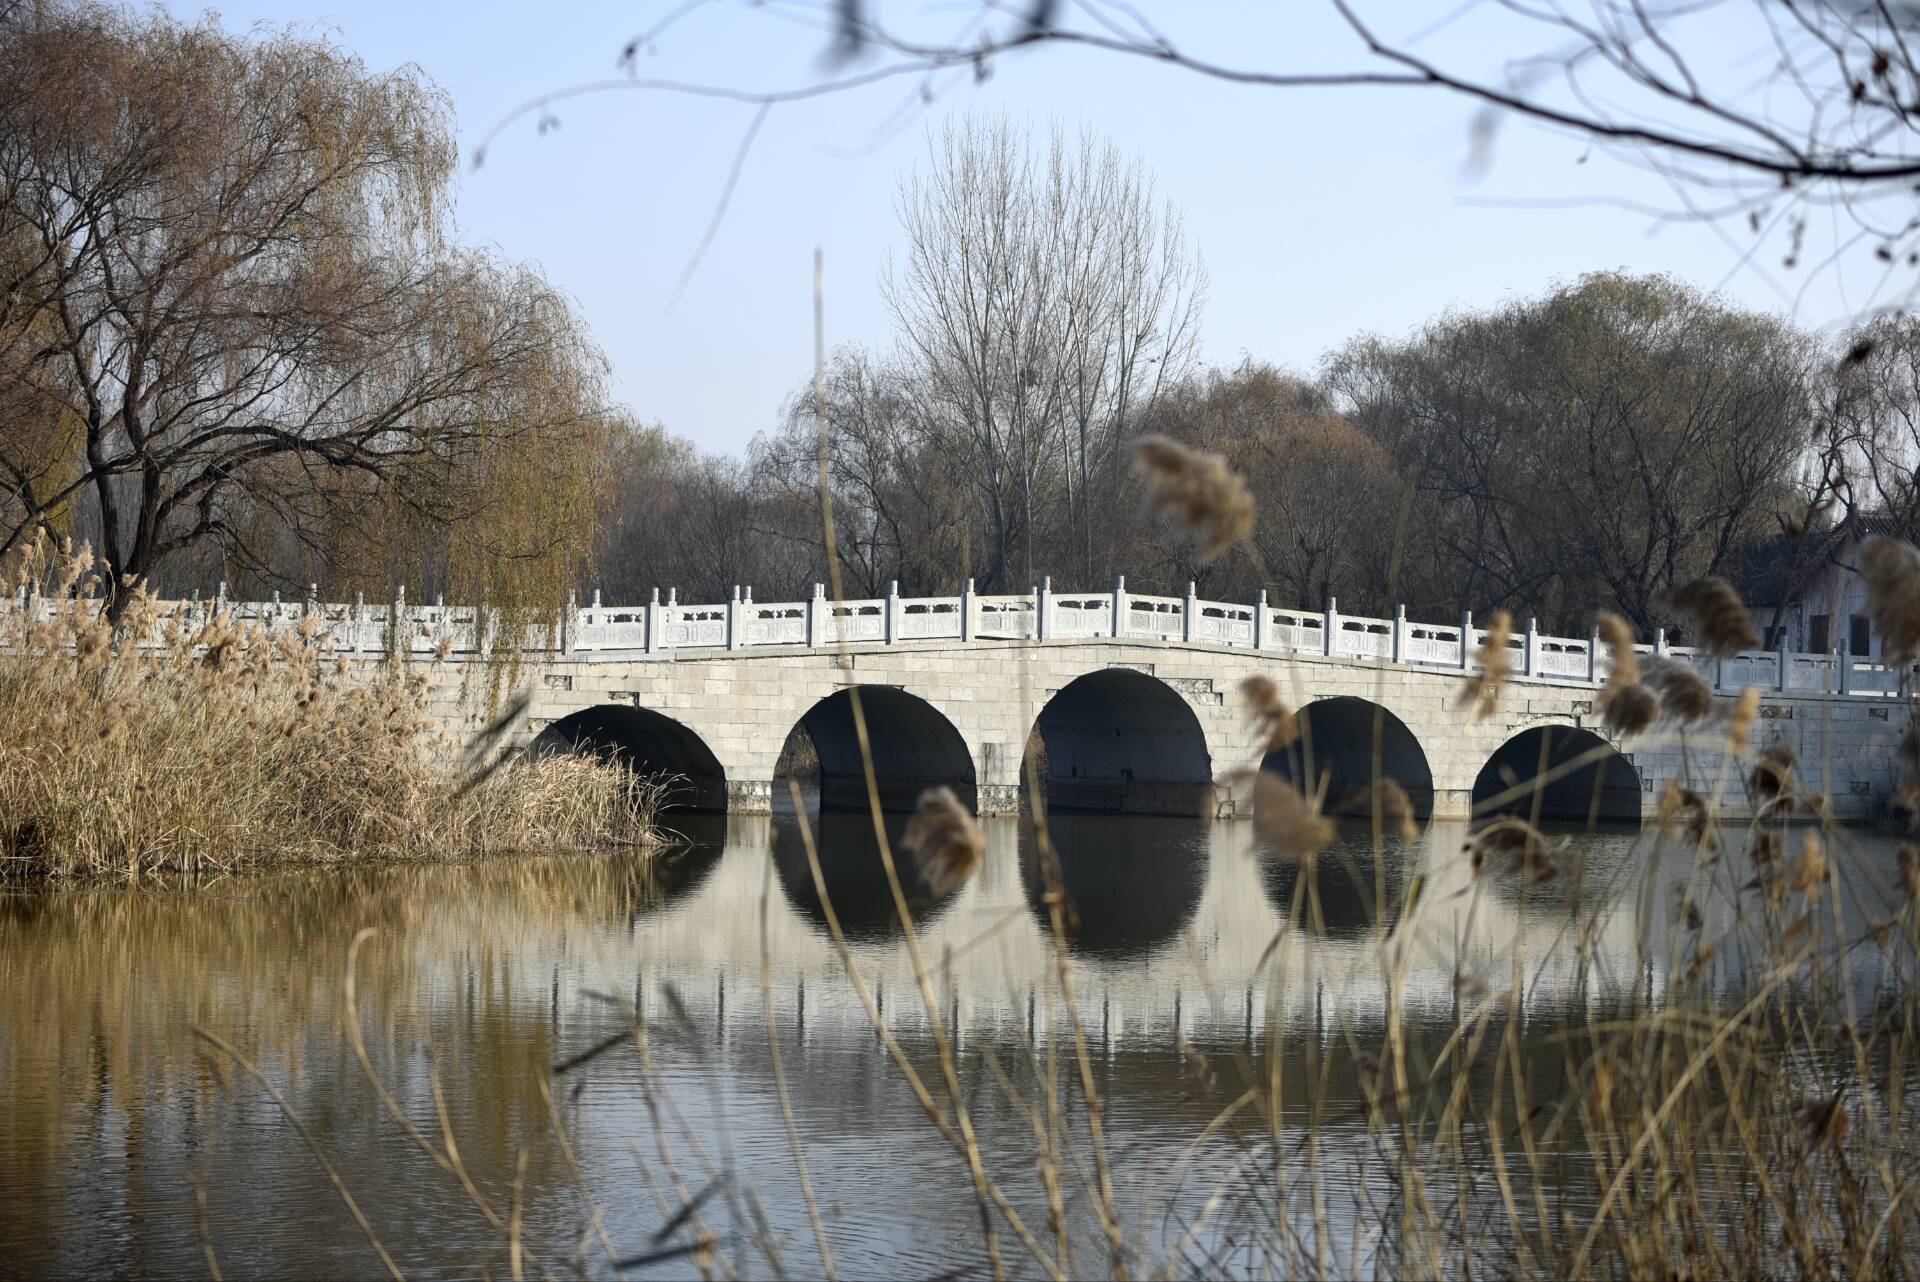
(1203,496)
(171,742)
(1718,615)
(1892,570)
(1482,690)
(944,840)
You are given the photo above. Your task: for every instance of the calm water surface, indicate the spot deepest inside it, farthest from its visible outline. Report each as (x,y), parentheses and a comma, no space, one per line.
(117,1124)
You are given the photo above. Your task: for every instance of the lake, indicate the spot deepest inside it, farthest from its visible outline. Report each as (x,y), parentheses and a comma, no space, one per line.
(132,1145)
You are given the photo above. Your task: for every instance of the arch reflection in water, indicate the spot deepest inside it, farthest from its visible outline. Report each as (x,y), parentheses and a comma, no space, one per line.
(1357,891)
(1130,884)
(681,868)
(855,878)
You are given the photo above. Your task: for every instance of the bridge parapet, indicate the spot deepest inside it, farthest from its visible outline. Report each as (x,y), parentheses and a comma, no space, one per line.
(670,628)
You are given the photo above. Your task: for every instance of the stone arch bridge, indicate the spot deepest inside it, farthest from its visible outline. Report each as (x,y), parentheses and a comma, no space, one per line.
(1134,700)
(1136,704)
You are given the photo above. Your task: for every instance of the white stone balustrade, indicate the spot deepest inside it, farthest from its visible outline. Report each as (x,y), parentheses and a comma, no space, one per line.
(660,629)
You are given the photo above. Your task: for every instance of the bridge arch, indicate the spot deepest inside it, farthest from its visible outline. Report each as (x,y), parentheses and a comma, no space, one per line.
(1587,779)
(1339,739)
(647,741)
(915,747)
(1119,741)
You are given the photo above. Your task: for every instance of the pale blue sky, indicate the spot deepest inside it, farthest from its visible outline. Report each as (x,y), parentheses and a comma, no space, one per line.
(1319,213)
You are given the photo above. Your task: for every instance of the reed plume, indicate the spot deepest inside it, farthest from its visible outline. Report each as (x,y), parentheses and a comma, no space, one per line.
(944,840)
(1892,570)
(1275,720)
(1773,775)
(1198,491)
(1626,706)
(1512,845)
(1482,690)
(1287,821)
(1740,719)
(1719,617)
(1684,695)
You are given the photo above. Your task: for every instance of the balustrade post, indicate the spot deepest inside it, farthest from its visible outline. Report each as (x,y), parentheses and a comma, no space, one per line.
(1532,652)
(1466,640)
(1260,624)
(1119,605)
(1843,660)
(650,628)
(1659,641)
(813,614)
(1781,655)
(400,636)
(1187,611)
(1043,612)
(1593,656)
(733,619)
(968,624)
(359,622)
(1330,628)
(570,622)
(312,604)
(892,631)
(1399,634)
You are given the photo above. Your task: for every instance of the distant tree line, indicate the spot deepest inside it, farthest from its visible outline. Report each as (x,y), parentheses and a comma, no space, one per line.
(1589,448)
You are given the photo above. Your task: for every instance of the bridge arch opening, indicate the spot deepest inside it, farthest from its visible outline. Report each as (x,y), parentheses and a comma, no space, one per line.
(1354,743)
(1119,741)
(914,748)
(1559,773)
(647,742)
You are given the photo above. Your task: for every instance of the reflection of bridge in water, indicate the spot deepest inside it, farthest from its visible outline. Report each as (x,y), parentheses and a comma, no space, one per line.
(1172,926)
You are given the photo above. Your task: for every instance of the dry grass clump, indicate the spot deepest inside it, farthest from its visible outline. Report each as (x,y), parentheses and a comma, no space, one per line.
(944,840)
(1482,690)
(219,745)
(1719,617)
(1196,490)
(1892,570)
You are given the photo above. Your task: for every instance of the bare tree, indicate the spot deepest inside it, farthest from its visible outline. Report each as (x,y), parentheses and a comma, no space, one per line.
(230,292)
(1045,295)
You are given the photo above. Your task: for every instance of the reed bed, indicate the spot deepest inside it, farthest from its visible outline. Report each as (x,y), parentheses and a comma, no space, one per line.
(225,747)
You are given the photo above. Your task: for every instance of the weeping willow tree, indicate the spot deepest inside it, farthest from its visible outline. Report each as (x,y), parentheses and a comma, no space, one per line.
(236,332)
